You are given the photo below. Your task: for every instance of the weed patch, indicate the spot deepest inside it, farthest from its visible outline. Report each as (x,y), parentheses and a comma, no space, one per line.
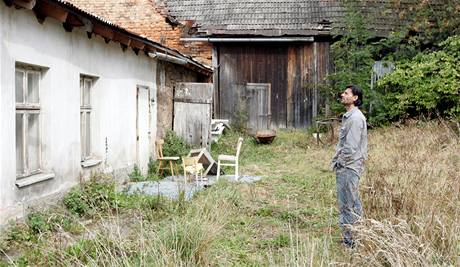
(97,195)
(410,192)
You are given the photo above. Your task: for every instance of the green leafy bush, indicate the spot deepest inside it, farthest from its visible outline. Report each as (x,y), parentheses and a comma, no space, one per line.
(174,145)
(136,175)
(428,84)
(241,117)
(152,170)
(152,174)
(352,59)
(96,195)
(38,222)
(426,80)
(18,233)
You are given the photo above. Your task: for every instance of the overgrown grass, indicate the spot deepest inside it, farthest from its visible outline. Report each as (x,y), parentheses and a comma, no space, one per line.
(412,187)
(410,192)
(151,175)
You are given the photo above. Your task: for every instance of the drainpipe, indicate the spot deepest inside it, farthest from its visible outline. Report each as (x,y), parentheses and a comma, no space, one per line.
(169,58)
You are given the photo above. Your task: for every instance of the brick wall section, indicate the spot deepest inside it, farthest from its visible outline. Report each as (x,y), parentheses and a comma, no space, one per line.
(144,18)
(168,75)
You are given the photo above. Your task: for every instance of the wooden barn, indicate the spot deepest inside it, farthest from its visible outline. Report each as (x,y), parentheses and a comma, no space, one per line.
(271,58)
(290,70)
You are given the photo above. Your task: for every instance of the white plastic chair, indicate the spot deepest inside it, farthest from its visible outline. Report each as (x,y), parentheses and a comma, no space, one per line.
(230,160)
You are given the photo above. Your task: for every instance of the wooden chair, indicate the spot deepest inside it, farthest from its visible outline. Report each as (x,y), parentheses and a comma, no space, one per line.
(192,166)
(230,160)
(171,161)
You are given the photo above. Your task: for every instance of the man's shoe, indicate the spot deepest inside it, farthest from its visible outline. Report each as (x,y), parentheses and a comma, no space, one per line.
(348,243)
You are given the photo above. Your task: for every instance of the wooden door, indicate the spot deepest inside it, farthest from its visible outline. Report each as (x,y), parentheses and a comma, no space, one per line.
(193,112)
(142,127)
(254,102)
(258,97)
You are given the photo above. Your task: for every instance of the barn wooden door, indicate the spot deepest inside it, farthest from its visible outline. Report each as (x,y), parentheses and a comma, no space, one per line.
(193,111)
(257,97)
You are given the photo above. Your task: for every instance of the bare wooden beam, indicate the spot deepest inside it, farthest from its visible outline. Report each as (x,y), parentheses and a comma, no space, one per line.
(137,44)
(27,4)
(44,9)
(9,3)
(67,27)
(40,16)
(74,20)
(149,49)
(122,39)
(103,31)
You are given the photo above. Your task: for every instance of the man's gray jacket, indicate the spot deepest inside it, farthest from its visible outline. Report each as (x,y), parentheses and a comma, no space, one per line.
(351,150)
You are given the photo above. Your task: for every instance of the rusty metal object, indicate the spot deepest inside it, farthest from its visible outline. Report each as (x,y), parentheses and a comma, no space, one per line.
(265,136)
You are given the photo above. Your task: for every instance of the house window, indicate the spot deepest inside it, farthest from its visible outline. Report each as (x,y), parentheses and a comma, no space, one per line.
(28,141)
(86,84)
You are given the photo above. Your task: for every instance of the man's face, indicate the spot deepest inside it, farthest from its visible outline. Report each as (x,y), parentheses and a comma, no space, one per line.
(348,98)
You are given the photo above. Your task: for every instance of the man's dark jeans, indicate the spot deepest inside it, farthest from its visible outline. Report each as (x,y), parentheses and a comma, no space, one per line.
(350,209)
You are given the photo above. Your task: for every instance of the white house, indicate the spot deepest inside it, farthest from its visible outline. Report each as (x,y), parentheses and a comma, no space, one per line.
(73,100)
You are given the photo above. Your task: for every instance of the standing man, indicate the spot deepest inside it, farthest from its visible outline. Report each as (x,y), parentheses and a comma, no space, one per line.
(348,161)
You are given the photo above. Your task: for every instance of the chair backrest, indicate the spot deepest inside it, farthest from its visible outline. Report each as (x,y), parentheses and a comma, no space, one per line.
(189,161)
(159,147)
(238,146)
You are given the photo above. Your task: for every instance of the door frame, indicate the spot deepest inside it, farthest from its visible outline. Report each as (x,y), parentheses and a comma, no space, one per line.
(149,118)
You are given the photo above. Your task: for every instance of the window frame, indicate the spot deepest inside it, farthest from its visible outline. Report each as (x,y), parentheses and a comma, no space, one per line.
(25,108)
(85,109)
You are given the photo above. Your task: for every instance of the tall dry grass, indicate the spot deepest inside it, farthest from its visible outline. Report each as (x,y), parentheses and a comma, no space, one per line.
(185,238)
(411,190)
(303,250)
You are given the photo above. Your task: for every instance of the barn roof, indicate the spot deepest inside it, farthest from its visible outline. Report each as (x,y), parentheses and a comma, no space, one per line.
(285,17)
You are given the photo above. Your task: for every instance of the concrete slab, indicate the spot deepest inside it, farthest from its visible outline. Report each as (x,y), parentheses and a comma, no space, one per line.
(172,186)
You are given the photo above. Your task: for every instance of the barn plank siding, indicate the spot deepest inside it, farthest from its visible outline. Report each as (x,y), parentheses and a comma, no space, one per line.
(293,70)
(192,112)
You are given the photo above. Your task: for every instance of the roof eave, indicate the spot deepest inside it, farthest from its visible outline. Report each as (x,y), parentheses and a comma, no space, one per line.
(72,16)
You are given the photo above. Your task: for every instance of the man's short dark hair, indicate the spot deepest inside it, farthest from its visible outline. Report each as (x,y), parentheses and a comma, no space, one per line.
(357,92)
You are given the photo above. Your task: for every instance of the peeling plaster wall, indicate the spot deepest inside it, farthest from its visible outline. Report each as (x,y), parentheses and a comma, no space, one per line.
(66,56)
(167,76)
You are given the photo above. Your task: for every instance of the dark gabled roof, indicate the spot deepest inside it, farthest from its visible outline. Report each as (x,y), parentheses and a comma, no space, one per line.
(284,17)
(264,17)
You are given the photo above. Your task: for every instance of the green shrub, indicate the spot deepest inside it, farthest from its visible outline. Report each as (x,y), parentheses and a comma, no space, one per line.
(18,233)
(352,60)
(96,195)
(425,82)
(136,175)
(152,173)
(174,145)
(75,202)
(38,222)
(35,225)
(429,84)
(241,117)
